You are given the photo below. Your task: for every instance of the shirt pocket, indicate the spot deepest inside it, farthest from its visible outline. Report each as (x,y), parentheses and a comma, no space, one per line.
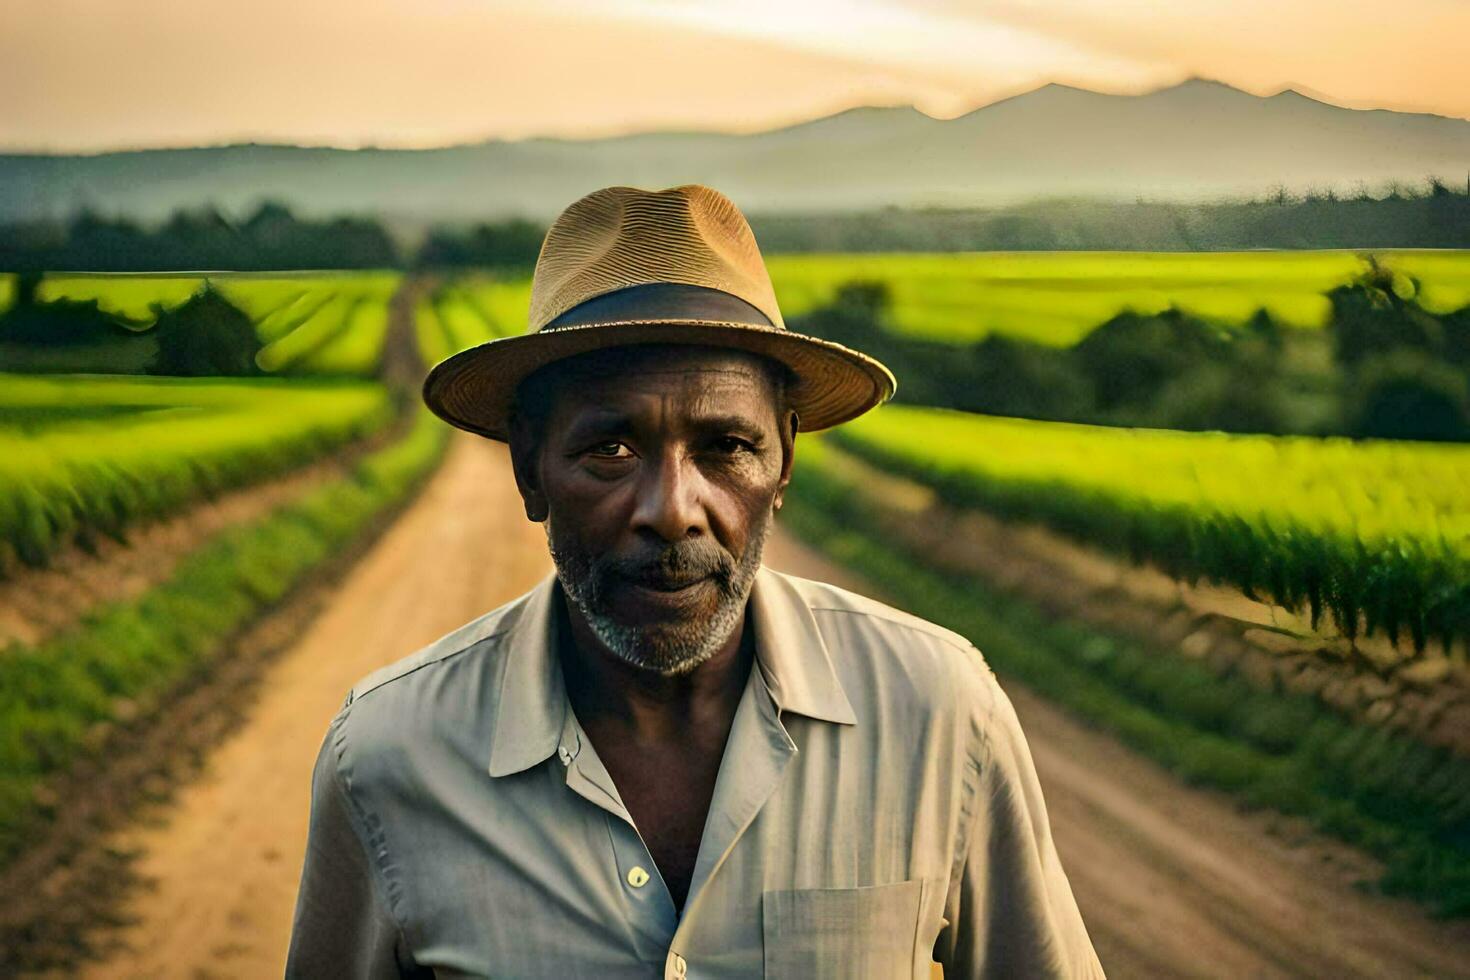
(843,932)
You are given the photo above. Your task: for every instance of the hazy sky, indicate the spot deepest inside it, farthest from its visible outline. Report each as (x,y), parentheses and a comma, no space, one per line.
(101,74)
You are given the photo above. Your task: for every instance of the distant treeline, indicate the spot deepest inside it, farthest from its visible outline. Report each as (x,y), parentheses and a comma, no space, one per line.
(1383,367)
(1434,215)
(200,238)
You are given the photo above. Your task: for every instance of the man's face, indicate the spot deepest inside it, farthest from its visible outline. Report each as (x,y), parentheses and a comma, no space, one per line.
(658,472)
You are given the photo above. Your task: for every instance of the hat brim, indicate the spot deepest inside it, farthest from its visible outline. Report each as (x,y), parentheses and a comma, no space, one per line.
(473,390)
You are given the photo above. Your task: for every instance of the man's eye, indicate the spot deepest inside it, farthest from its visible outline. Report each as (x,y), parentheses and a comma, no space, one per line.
(608,450)
(733,444)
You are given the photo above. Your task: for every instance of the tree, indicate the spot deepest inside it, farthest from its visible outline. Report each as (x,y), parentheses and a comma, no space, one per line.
(206,336)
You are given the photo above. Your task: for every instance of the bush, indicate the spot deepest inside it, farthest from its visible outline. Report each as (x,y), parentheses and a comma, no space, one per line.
(1407,394)
(1227,397)
(1131,357)
(1007,376)
(207,336)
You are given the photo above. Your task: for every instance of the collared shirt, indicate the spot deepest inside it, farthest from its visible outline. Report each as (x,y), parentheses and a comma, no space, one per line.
(876,806)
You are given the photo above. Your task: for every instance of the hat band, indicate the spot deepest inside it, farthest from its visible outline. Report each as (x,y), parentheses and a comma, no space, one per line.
(659,301)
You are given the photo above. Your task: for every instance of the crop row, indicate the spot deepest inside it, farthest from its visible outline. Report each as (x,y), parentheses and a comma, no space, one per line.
(127,661)
(1379,789)
(1375,530)
(88,455)
(309,324)
(1058,297)
(475,309)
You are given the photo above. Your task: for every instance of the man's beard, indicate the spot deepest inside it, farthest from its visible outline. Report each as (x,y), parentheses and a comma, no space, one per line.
(669,650)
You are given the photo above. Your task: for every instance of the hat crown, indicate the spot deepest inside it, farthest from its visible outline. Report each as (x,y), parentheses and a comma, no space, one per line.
(622,236)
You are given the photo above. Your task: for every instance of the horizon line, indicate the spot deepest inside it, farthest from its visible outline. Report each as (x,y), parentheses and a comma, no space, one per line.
(677,130)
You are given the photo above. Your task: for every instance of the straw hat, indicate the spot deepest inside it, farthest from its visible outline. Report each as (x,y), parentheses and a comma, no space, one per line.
(628,266)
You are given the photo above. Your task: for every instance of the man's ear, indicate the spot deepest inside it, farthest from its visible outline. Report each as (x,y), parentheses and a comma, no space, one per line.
(524,453)
(788,455)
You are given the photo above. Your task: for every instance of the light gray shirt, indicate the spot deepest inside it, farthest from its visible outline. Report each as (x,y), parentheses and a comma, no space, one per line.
(876,806)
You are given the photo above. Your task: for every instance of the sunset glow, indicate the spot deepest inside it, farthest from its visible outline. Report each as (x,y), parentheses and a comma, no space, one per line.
(96,74)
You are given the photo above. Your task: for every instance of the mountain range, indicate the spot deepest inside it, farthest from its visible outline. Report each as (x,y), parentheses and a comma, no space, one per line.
(1197,140)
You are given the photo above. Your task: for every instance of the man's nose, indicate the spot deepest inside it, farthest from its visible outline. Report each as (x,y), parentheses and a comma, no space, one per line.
(670,497)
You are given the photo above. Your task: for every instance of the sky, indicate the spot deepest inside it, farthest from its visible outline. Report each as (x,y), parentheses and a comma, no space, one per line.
(91,75)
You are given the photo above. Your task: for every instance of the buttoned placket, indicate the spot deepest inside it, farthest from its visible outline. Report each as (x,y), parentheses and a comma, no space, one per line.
(756,755)
(650,905)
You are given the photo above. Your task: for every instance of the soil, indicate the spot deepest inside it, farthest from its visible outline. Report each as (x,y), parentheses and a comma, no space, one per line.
(1172,880)
(38,603)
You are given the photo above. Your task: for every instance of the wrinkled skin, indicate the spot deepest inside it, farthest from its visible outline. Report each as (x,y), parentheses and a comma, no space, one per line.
(660,465)
(653,472)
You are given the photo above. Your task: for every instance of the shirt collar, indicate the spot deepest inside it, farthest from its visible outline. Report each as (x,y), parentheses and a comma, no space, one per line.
(530,700)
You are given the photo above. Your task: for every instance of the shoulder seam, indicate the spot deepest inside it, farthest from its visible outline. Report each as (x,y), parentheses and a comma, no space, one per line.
(355,694)
(944,633)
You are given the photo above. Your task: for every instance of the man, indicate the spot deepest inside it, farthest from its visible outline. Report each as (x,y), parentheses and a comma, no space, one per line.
(667,759)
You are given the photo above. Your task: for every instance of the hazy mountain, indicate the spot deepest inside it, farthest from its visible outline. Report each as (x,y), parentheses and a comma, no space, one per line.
(1194,140)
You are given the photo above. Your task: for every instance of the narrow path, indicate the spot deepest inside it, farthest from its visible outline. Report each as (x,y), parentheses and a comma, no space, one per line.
(226,856)
(1171,880)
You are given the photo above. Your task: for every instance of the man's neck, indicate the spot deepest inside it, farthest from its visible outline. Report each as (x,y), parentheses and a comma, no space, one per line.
(604,687)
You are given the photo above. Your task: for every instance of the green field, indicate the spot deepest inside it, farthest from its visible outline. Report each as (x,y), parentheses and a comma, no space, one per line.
(87,455)
(471,310)
(1058,297)
(325,325)
(308,324)
(1376,528)
(134,299)
(1407,802)
(123,663)
(90,454)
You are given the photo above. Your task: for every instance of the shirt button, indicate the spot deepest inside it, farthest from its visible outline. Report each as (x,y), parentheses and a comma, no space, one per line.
(679,965)
(637,877)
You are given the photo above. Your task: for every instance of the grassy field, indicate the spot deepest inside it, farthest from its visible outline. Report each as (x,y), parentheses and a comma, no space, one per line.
(134,299)
(1378,789)
(1058,297)
(471,310)
(122,661)
(1373,528)
(309,324)
(91,454)
(330,325)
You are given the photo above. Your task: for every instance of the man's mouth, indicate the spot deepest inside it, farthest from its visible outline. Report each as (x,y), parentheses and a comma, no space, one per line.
(669,584)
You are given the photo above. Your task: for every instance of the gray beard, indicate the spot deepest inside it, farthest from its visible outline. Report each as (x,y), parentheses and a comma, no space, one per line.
(666,650)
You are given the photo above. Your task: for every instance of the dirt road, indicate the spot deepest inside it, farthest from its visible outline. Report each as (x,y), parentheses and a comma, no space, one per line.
(1172,881)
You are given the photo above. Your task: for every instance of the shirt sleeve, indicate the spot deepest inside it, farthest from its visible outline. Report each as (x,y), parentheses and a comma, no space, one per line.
(342,926)
(1012,912)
